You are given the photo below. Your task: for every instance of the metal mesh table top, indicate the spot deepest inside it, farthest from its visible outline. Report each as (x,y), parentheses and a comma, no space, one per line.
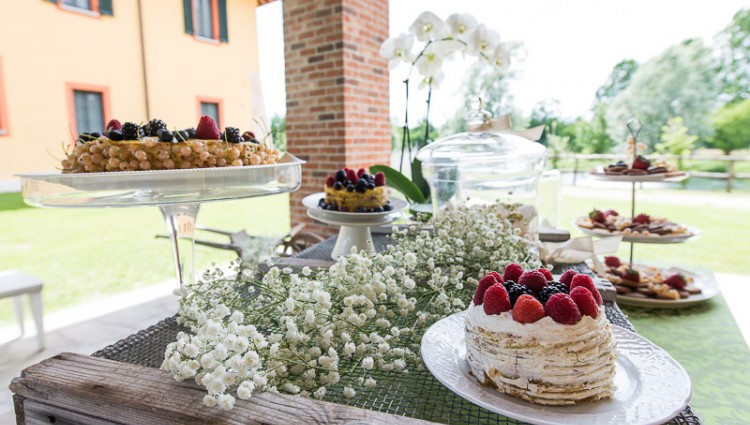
(418,394)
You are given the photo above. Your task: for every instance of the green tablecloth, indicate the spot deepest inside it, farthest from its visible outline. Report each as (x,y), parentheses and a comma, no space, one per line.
(705,339)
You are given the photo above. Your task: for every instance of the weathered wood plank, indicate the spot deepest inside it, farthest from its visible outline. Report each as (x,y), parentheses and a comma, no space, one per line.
(44,414)
(125,393)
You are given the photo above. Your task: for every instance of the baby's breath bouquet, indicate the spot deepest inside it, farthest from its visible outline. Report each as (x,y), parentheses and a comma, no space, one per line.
(330,331)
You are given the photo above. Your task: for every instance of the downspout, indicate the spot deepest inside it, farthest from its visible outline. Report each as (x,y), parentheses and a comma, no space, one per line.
(143,60)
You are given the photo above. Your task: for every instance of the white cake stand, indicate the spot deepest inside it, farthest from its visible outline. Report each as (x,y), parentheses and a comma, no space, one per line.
(178,193)
(354,227)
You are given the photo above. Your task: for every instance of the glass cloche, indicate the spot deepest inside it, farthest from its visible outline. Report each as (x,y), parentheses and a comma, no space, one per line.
(483,166)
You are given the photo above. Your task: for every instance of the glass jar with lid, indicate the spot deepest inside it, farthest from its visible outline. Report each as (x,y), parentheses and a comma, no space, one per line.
(483,166)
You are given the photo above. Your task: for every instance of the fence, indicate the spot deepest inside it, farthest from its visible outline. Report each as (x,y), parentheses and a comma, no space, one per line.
(730,175)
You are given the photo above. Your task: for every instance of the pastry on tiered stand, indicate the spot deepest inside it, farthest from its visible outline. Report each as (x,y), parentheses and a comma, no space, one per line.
(643,281)
(355,191)
(539,340)
(642,225)
(130,147)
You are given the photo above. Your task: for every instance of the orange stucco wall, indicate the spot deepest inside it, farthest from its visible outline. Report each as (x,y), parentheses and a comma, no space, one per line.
(45,50)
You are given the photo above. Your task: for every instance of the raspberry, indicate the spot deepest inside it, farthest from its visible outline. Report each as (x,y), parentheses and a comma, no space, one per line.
(642,219)
(512,272)
(351,175)
(527,309)
(547,274)
(597,216)
(482,286)
(380,179)
(676,281)
(330,180)
(207,129)
(562,309)
(112,125)
(360,172)
(534,280)
(498,278)
(496,299)
(588,283)
(584,301)
(567,277)
(612,261)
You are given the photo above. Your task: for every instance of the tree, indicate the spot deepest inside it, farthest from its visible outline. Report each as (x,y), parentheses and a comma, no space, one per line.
(678,82)
(278,131)
(675,138)
(731,129)
(618,80)
(734,54)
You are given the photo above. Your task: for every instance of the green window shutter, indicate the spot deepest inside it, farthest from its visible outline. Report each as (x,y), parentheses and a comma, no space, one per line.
(223,31)
(188,12)
(52,1)
(105,7)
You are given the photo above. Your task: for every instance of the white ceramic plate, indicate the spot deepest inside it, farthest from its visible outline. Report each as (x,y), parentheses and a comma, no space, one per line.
(636,179)
(692,232)
(705,282)
(311,202)
(328,218)
(651,387)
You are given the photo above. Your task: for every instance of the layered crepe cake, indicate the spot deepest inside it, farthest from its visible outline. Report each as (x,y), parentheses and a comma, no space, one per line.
(529,354)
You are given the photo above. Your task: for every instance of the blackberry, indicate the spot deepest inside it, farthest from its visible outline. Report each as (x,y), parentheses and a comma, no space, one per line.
(130,131)
(515,290)
(547,292)
(115,135)
(233,135)
(559,285)
(154,127)
(165,135)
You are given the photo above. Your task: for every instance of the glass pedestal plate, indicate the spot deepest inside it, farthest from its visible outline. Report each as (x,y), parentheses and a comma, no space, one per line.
(178,193)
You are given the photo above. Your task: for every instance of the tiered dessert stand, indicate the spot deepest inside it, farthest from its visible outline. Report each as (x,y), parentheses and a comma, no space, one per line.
(178,193)
(692,233)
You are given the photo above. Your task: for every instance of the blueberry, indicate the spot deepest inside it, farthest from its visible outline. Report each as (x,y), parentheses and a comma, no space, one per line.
(340,175)
(321,202)
(338,186)
(365,176)
(361,209)
(361,189)
(330,207)
(190,133)
(371,185)
(115,135)
(350,188)
(96,135)
(387,207)
(377,209)
(165,135)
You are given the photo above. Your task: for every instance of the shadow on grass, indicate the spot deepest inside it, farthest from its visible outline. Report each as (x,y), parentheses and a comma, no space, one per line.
(11,201)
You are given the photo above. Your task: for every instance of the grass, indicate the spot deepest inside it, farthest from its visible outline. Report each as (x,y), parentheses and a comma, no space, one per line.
(87,254)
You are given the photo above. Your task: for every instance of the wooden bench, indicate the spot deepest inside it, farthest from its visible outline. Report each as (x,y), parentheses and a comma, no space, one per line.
(15,284)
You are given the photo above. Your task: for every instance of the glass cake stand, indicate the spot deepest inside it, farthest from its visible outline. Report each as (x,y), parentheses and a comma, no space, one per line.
(178,193)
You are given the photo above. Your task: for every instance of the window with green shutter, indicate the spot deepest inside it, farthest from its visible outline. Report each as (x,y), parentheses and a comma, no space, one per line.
(93,8)
(206,19)
(89,110)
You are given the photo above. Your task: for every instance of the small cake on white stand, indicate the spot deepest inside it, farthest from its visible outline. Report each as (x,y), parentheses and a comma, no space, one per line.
(355,227)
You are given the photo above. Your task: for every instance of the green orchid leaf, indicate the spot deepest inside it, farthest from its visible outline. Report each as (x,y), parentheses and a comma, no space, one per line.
(401,183)
(418,178)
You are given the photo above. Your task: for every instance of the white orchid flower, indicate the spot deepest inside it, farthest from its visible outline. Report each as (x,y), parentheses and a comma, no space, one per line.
(433,79)
(501,56)
(462,25)
(432,58)
(429,26)
(397,50)
(483,41)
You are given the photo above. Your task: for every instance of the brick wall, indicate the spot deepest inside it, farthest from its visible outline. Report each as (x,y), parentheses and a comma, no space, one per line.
(336,90)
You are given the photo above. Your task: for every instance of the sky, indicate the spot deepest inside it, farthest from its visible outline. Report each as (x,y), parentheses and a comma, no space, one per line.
(569,47)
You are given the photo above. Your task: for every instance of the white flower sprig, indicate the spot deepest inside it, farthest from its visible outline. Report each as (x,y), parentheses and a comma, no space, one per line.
(318,333)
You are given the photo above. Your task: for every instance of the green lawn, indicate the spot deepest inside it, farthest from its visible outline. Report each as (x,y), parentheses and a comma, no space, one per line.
(86,254)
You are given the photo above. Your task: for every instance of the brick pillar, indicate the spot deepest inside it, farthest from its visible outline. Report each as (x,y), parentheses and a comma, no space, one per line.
(336,90)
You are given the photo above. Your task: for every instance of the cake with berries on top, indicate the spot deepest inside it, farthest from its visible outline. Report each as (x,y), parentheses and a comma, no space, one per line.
(133,147)
(355,191)
(544,341)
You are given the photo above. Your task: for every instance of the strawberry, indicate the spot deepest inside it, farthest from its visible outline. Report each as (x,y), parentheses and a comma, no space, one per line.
(112,125)
(496,299)
(584,301)
(512,272)
(641,163)
(351,175)
(498,278)
(330,181)
(527,309)
(612,261)
(547,274)
(482,286)
(588,283)
(380,179)
(207,129)
(610,213)
(642,219)
(567,277)
(360,172)
(534,280)
(676,281)
(631,275)
(597,216)
(562,309)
